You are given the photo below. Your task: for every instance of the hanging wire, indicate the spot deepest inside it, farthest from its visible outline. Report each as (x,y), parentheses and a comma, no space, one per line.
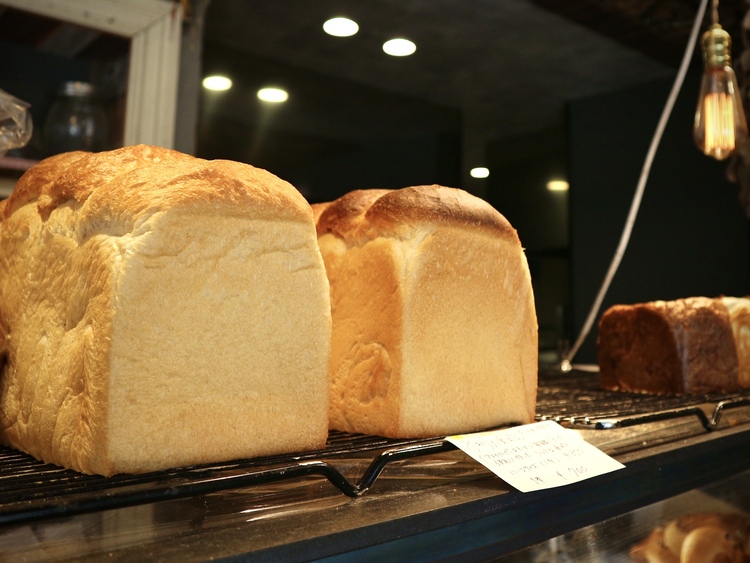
(714,12)
(636,203)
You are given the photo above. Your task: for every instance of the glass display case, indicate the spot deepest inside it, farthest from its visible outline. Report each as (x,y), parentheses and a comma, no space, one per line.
(659,531)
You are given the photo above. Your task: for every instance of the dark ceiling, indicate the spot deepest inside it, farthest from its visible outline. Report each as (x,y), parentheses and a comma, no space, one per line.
(506,67)
(510,60)
(656,28)
(483,70)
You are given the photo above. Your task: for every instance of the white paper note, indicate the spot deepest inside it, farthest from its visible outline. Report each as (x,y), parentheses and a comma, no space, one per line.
(536,456)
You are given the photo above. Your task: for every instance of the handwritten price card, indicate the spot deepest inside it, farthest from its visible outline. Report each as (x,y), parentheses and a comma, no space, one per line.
(536,456)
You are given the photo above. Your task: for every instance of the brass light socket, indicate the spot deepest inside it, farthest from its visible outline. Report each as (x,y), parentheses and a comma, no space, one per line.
(717,47)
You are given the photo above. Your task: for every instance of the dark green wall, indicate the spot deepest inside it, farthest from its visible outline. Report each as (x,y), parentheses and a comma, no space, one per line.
(691,236)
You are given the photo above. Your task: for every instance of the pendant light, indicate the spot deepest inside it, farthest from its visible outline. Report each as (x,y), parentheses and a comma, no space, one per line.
(720,125)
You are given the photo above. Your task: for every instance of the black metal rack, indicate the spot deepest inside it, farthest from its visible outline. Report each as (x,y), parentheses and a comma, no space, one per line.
(578,399)
(31,490)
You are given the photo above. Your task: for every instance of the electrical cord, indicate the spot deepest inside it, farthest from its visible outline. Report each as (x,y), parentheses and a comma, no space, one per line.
(638,196)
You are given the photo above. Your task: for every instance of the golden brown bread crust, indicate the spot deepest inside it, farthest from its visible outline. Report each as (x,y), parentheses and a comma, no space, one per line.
(434,329)
(40,181)
(345,217)
(653,550)
(125,181)
(685,346)
(436,204)
(140,297)
(360,214)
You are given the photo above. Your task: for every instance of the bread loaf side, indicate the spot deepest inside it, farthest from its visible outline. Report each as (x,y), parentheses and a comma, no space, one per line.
(688,346)
(160,310)
(434,328)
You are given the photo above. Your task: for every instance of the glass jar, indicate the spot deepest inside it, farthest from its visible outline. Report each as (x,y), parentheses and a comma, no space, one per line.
(75,121)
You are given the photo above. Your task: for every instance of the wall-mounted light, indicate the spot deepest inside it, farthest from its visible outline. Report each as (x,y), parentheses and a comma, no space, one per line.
(273,95)
(720,125)
(340,27)
(217,83)
(399,47)
(558,186)
(479,172)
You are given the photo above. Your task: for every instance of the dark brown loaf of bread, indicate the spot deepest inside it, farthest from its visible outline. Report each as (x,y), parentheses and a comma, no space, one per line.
(687,346)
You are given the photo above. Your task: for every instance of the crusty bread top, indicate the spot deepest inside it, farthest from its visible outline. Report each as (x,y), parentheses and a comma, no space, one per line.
(347,213)
(37,182)
(141,178)
(319,208)
(365,214)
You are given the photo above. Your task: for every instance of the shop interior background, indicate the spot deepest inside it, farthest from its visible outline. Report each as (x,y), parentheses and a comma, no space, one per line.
(534,90)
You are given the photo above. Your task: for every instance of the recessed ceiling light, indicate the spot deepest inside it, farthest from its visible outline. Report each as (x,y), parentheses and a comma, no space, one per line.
(479,172)
(340,27)
(217,83)
(557,185)
(399,47)
(273,95)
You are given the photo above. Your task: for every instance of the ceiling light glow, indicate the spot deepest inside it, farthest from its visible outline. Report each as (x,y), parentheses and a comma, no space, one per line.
(217,83)
(558,186)
(273,95)
(399,47)
(340,27)
(479,172)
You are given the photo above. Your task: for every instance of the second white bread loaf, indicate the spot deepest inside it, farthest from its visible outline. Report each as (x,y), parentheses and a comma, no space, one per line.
(160,310)
(434,327)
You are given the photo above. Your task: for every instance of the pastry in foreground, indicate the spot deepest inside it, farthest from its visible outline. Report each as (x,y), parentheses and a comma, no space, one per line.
(159,310)
(700,537)
(687,346)
(434,326)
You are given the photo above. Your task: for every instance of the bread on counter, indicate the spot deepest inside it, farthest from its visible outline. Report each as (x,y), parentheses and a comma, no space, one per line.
(687,346)
(434,327)
(159,310)
(701,537)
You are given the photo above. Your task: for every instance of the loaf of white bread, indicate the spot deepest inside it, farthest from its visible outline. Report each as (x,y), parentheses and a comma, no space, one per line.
(159,310)
(687,346)
(434,326)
